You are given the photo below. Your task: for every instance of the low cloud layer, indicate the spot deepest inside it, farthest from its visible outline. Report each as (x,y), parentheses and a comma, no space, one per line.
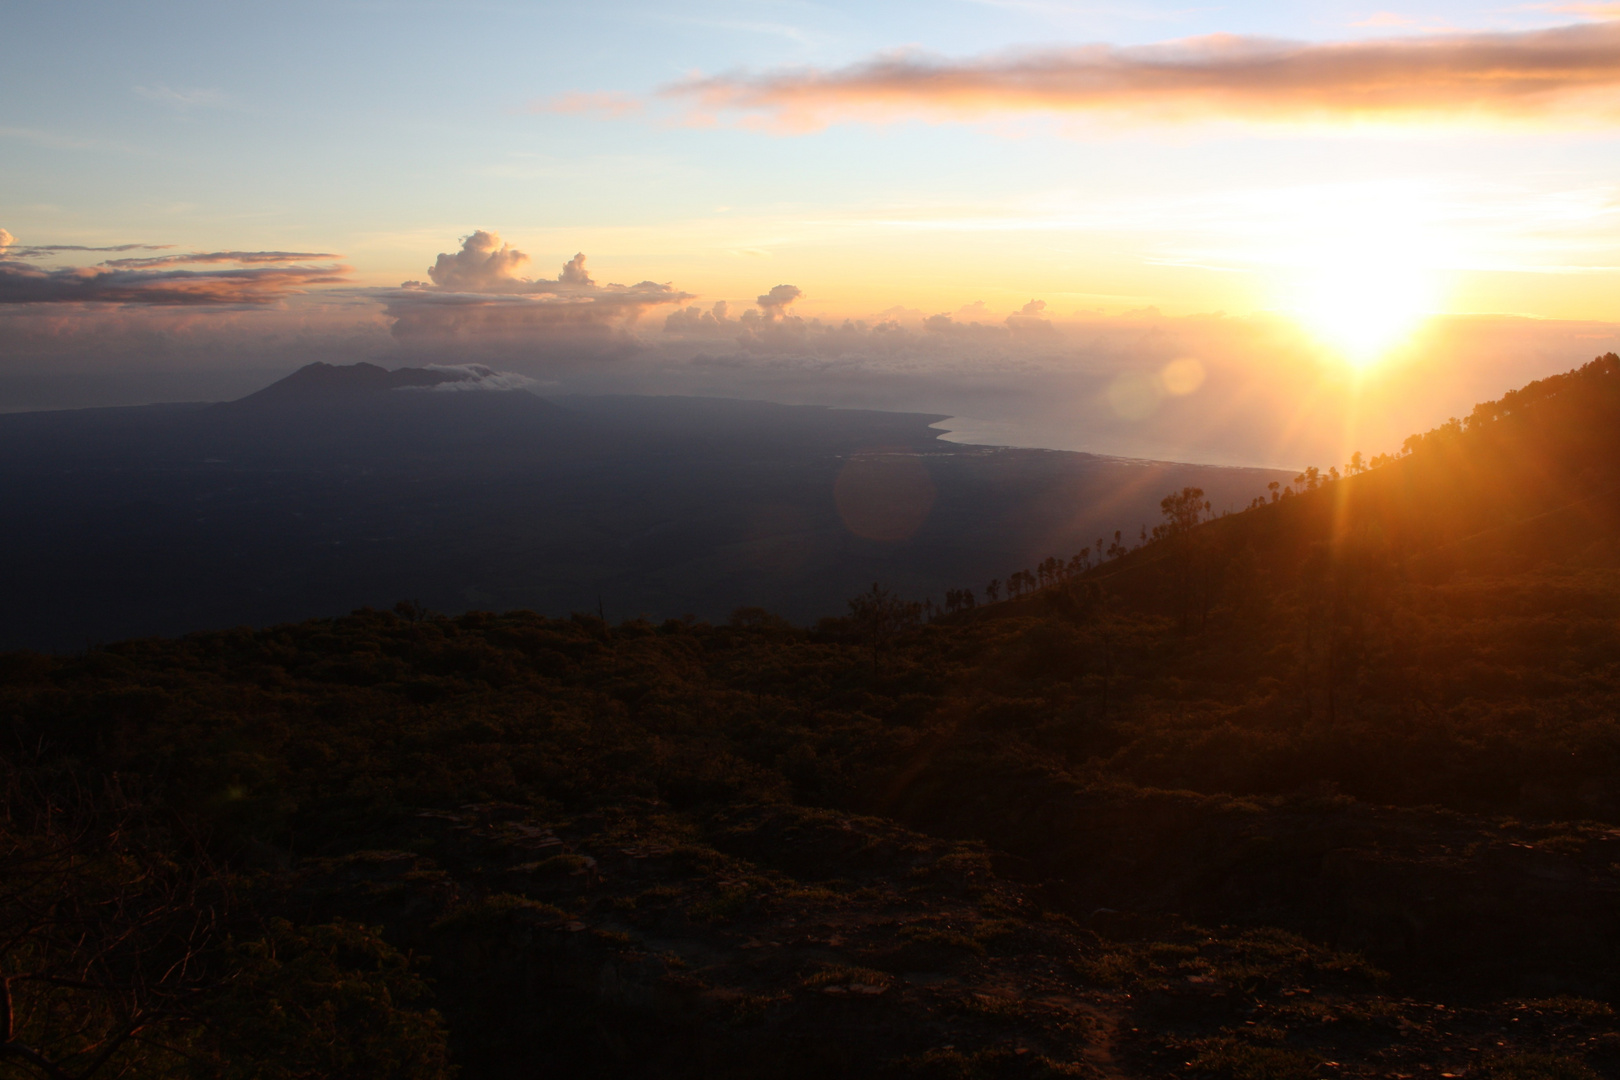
(1569,72)
(9,248)
(1216,389)
(770,329)
(476,301)
(473,377)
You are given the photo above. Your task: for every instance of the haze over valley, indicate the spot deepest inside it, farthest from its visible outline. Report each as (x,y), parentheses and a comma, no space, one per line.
(346,487)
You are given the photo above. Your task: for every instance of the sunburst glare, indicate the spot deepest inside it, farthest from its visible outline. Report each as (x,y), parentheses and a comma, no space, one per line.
(1363,308)
(1365,281)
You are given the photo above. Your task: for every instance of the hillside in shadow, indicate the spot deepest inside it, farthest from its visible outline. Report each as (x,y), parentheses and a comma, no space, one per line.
(1327,787)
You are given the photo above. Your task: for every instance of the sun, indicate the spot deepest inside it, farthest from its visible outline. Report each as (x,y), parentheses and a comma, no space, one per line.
(1364,304)
(1363,278)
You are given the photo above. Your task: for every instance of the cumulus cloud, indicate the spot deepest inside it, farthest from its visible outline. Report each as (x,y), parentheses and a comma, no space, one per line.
(484,264)
(476,299)
(1030,320)
(573,271)
(774,303)
(694,320)
(975,322)
(242,277)
(1569,71)
(767,326)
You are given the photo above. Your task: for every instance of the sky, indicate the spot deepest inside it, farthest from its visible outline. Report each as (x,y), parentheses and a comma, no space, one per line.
(1245,233)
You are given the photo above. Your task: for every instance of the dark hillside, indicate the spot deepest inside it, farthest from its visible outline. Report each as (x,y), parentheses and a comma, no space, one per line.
(645,851)
(1531,477)
(1440,628)
(1326,788)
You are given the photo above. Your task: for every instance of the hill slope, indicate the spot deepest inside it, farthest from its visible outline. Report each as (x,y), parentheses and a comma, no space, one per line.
(1324,788)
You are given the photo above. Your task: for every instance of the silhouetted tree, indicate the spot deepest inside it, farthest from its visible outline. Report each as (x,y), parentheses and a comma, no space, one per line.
(880,615)
(1182,511)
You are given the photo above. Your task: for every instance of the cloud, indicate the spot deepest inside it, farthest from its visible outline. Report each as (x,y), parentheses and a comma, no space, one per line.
(28,285)
(1569,71)
(1210,388)
(257,277)
(611,104)
(474,377)
(1585,11)
(573,271)
(40,251)
(774,303)
(694,320)
(246,258)
(1030,320)
(476,299)
(487,264)
(483,264)
(973,322)
(1207,388)
(767,326)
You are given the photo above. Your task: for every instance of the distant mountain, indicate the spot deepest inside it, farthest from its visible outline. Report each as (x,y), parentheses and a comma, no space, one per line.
(319,382)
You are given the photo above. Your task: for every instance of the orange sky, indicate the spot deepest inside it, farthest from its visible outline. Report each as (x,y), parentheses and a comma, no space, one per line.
(1337,184)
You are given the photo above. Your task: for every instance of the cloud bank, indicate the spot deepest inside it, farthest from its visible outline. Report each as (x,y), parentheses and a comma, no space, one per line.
(476,302)
(1215,389)
(1565,72)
